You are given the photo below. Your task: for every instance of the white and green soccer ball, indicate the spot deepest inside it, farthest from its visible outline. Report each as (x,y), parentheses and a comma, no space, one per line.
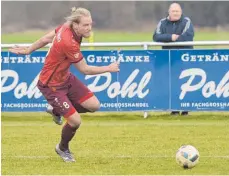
(187,156)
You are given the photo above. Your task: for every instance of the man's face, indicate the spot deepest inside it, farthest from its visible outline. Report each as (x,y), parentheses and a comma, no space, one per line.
(83,28)
(175,12)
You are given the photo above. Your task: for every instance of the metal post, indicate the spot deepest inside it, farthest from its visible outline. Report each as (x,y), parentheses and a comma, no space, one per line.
(145,114)
(145,46)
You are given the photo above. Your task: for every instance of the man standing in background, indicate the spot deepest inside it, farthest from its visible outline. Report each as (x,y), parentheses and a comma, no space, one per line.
(174,28)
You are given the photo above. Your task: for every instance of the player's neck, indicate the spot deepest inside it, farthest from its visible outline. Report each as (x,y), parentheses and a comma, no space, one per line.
(75,32)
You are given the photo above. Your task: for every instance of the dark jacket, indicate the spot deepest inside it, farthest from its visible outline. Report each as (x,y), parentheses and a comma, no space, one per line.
(166,28)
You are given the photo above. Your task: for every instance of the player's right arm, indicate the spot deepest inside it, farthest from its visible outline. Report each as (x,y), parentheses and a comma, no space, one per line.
(46,39)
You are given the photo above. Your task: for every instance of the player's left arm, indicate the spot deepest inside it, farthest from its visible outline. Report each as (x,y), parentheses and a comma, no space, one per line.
(86,69)
(72,51)
(40,43)
(187,33)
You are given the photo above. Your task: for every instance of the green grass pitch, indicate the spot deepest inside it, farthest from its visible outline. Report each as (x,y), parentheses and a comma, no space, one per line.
(115,143)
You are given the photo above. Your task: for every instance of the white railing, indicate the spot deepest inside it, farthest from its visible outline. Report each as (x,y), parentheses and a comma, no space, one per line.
(145,45)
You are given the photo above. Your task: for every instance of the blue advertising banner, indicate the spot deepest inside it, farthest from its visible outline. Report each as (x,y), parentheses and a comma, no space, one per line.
(148,80)
(136,87)
(200,79)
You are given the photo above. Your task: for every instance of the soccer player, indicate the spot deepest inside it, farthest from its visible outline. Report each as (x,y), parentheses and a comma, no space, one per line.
(64,92)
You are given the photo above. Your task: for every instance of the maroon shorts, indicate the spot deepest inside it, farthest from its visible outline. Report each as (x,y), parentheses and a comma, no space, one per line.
(65,98)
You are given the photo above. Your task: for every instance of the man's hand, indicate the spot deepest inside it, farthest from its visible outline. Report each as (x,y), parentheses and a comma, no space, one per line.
(114,67)
(20,50)
(174,37)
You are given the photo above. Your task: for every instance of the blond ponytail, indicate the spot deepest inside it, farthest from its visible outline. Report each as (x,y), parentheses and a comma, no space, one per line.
(77,13)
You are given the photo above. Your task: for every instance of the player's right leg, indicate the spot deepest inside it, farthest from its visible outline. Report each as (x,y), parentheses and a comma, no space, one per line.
(73,119)
(73,123)
(58,99)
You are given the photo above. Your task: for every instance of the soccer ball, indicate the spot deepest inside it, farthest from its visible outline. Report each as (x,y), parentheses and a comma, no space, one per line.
(187,156)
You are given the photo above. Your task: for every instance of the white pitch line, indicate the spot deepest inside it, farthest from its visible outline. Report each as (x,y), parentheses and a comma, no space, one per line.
(126,175)
(117,156)
(111,124)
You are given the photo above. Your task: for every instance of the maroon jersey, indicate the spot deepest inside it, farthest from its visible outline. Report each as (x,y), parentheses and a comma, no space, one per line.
(64,51)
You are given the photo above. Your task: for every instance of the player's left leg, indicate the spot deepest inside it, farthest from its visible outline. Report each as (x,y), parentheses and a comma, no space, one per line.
(92,104)
(56,117)
(81,97)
